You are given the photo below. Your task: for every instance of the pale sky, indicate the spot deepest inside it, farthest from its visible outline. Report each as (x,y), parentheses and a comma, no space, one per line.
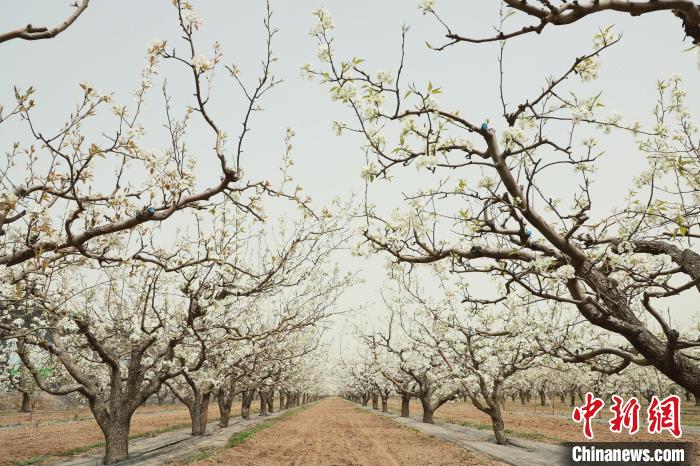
(107,47)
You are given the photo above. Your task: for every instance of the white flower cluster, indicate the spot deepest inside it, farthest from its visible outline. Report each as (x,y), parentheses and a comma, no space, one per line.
(157,47)
(588,69)
(202,63)
(385,77)
(426,6)
(566,272)
(324,21)
(426,161)
(512,137)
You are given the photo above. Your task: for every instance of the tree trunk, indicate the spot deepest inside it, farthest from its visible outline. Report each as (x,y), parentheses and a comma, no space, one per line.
(270,402)
(116,440)
(499,429)
(385,404)
(572,398)
(263,404)
(521,394)
(246,400)
(427,410)
(281,400)
(225,401)
(26,403)
(199,412)
(405,401)
(375,401)
(542,397)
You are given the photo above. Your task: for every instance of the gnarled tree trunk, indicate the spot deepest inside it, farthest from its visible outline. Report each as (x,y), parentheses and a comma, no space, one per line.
(405,401)
(499,428)
(224,400)
(246,400)
(427,409)
(365,399)
(116,432)
(263,403)
(26,406)
(199,413)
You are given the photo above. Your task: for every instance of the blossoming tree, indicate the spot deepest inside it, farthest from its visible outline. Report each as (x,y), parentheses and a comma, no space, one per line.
(492,212)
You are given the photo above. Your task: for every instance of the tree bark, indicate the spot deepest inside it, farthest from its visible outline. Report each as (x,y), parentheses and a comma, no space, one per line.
(499,429)
(375,401)
(427,410)
(405,401)
(385,404)
(246,400)
(117,439)
(365,399)
(26,406)
(199,413)
(263,404)
(224,401)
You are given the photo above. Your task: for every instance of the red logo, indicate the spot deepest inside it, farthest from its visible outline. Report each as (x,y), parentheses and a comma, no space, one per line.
(626,415)
(587,412)
(665,415)
(661,415)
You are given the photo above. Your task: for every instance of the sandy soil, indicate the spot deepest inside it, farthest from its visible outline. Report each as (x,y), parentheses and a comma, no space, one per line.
(42,417)
(334,432)
(539,423)
(10,402)
(61,435)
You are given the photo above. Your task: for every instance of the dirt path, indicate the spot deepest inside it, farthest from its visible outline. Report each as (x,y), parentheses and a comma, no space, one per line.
(336,432)
(521,451)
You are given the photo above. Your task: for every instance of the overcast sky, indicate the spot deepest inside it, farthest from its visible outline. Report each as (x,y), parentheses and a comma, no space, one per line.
(107,47)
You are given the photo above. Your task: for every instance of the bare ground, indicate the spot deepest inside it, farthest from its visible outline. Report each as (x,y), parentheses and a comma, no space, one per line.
(59,435)
(335,432)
